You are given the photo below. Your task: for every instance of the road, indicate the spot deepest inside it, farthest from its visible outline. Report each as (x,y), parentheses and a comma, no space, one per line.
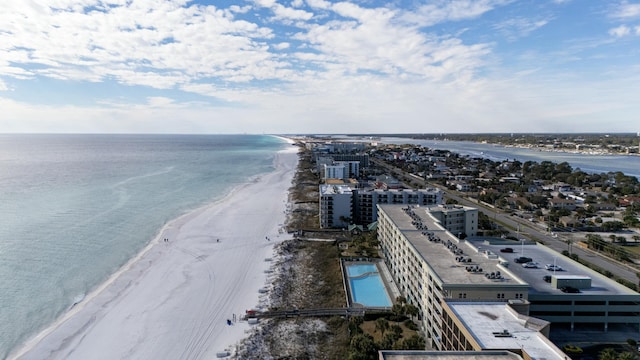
(527,229)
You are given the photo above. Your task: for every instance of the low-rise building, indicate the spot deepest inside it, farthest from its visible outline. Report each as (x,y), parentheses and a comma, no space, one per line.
(493,326)
(566,293)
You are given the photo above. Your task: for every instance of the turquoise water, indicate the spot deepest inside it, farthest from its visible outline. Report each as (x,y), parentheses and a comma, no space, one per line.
(75,208)
(366,286)
(357,270)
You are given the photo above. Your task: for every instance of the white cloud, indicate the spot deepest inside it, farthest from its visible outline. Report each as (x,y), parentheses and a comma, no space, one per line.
(344,66)
(154,43)
(282,46)
(620,31)
(282,12)
(440,11)
(626,10)
(515,28)
(159,101)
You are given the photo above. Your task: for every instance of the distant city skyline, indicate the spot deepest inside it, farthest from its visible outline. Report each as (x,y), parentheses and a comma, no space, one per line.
(318,66)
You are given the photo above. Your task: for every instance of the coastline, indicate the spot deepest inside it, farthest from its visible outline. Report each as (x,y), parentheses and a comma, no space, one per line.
(173,298)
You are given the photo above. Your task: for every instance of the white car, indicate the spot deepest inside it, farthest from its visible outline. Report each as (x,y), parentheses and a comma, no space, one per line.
(552,267)
(530,265)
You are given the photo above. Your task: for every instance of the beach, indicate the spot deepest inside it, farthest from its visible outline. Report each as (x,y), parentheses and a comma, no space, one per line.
(174,299)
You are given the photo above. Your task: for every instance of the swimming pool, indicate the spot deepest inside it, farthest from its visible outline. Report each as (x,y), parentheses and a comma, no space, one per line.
(366,286)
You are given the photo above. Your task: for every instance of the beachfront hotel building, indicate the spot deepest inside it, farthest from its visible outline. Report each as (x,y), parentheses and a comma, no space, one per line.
(431,265)
(363,204)
(366,201)
(341,170)
(336,206)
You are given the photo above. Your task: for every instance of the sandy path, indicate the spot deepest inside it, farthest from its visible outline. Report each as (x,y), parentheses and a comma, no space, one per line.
(173,300)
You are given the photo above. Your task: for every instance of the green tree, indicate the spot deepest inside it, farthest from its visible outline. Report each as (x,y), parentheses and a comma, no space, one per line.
(396,330)
(415,342)
(411,310)
(595,242)
(362,347)
(383,325)
(387,342)
(607,354)
(626,356)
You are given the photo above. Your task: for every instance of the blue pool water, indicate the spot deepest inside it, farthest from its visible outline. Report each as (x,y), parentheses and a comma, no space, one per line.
(366,286)
(357,270)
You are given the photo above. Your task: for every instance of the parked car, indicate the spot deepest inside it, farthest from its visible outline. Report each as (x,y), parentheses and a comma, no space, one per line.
(552,267)
(569,289)
(530,265)
(506,250)
(523,259)
(547,278)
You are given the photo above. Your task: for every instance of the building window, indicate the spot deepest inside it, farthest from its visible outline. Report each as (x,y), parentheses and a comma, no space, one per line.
(462,296)
(501,296)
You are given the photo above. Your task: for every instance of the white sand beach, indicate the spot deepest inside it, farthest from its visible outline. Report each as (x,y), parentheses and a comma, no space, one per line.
(174,299)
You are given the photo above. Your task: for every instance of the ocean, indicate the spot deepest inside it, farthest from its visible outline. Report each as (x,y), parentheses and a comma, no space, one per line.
(75,208)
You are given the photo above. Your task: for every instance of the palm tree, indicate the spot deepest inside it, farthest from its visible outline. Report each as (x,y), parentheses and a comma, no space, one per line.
(626,356)
(411,310)
(383,325)
(607,354)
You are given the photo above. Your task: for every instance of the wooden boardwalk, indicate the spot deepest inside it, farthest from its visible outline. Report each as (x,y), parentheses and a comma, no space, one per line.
(352,311)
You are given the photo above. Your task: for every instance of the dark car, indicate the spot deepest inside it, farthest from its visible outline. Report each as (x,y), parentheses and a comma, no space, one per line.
(569,289)
(547,278)
(523,259)
(506,250)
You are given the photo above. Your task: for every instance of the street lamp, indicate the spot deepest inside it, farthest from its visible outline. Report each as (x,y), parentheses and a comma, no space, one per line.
(522,247)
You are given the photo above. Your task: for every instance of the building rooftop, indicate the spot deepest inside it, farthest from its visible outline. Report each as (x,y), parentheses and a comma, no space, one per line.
(496,327)
(335,189)
(439,248)
(542,255)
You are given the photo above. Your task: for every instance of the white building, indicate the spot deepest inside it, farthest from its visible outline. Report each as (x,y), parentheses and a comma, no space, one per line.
(334,172)
(457,219)
(335,206)
(366,211)
(430,264)
(341,170)
(363,203)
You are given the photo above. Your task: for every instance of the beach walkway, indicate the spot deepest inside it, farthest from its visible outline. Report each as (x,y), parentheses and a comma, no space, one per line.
(351,311)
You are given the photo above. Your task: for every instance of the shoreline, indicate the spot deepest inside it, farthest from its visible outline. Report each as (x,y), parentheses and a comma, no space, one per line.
(165,285)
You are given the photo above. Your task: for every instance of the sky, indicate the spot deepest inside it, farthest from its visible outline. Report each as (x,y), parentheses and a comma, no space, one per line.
(319,66)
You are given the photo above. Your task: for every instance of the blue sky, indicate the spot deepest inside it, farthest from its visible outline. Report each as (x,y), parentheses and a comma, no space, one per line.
(319,66)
